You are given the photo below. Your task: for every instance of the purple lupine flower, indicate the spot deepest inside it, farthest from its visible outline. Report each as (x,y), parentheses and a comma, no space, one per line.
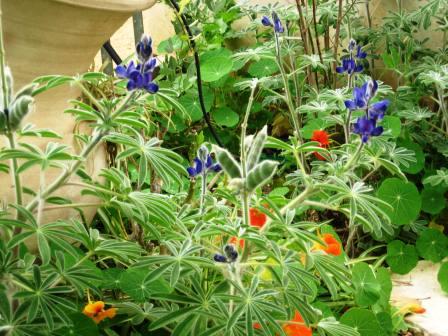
(266,21)
(377,110)
(366,128)
(219,258)
(350,63)
(278,27)
(203,163)
(362,95)
(140,76)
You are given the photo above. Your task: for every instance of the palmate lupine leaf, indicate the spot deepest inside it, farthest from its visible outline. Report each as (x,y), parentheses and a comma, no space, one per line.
(335,275)
(163,161)
(361,204)
(45,298)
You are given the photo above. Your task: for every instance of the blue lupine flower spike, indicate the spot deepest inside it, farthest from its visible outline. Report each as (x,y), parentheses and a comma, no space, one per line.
(266,21)
(231,252)
(278,27)
(203,163)
(350,63)
(362,95)
(144,49)
(219,258)
(367,128)
(140,75)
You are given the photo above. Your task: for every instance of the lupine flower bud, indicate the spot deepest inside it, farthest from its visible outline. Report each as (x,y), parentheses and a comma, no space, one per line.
(231,252)
(351,45)
(144,48)
(203,153)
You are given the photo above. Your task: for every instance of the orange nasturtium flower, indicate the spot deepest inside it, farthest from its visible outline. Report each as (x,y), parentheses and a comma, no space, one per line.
(257,218)
(323,139)
(237,242)
(298,328)
(332,245)
(95,310)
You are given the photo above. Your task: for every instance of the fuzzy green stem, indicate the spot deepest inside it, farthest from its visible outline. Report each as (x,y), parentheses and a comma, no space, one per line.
(62,179)
(3,65)
(244,193)
(354,157)
(203,191)
(288,97)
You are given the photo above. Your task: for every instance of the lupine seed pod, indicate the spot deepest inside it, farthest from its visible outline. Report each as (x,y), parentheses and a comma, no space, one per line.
(27,90)
(248,142)
(236,184)
(228,163)
(260,174)
(257,148)
(19,109)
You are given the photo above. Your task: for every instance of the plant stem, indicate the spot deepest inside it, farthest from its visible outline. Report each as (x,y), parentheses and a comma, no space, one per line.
(62,179)
(336,39)
(2,64)
(354,158)
(244,193)
(203,191)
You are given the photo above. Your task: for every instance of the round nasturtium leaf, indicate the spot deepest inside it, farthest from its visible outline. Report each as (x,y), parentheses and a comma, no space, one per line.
(432,245)
(404,199)
(442,276)
(263,68)
(112,278)
(363,321)
(367,287)
(191,103)
(392,124)
(216,64)
(400,257)
(385,281)
(414,167)
(433,200)
(225,116)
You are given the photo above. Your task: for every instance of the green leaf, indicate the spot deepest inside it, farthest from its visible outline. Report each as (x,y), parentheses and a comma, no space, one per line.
(392,124)
(433,200)
(82,325)
(442,276)
(225,116)
(263,68)
(134,283)
(367,287)
(362,320)
(414,167)
(313,125)
(400,257)
(216,64)
(191,103)
(432,245)
(404,199)
(171,317)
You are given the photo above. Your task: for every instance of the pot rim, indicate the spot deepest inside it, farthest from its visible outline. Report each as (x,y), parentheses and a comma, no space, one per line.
(111,5)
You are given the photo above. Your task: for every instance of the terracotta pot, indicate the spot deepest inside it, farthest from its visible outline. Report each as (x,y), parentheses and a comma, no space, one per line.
(58,37)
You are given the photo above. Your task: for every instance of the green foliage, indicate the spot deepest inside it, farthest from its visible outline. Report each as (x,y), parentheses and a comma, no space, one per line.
(401,258)
(403,198)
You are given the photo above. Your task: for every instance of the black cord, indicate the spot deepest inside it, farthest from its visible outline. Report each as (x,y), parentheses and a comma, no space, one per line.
(198,71)
(112,53)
